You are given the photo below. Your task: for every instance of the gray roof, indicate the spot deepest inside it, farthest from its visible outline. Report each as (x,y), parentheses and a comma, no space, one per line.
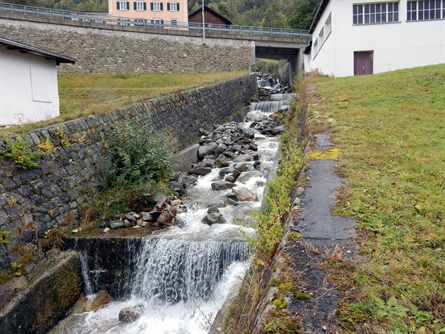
(25,48)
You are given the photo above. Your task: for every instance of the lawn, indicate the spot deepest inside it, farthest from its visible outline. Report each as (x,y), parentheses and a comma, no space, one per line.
(390,132)
(83,95)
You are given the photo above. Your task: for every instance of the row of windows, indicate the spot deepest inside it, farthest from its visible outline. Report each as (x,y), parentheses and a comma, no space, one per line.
(154,6)
(144,22)
(389,12)
(426,10)
(375,13)
(322,36)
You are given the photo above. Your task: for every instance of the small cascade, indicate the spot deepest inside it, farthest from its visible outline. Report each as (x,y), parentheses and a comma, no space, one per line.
(88,286)
(267,83)
(280,97)
(269,107)
(174,270)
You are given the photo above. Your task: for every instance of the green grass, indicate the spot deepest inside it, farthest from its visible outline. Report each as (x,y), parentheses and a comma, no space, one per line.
(83,95)
(390,131)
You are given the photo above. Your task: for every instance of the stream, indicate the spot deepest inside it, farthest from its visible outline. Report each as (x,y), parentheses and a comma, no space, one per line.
(183,275)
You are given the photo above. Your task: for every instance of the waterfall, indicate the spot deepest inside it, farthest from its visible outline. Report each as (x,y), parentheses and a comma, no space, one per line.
(179,270)
(85,275)
(269,107)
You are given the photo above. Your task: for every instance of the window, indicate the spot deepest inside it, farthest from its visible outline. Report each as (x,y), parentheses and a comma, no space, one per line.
(315,48)
(123,5)
(174,22)
(122,21)
(139,5)
(172,6)
(321,37)
(375,13)
(328,26)
(156,6)
(157,22)
(140,22)
(425,10)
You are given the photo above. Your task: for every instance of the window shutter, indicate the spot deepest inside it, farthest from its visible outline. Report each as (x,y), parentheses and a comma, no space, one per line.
(134,5)
(162,6)
(177,6)
(127,5)
(151,6)
(117,3)
(168,6)
(162,21)
(145,7)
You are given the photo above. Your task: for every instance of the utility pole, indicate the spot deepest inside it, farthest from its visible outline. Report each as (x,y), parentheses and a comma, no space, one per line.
(203,26)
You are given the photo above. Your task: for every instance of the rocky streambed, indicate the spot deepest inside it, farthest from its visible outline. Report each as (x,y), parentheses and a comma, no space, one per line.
(174,277)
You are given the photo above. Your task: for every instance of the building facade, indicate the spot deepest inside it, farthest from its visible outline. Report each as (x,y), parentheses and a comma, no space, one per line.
(168,12)
(365,36)
(210,17)
(28,83)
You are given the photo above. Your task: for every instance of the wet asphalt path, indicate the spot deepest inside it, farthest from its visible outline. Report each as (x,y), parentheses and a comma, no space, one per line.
(322,233)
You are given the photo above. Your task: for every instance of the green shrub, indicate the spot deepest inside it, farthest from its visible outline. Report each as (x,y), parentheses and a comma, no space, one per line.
(18,150)
(136,156)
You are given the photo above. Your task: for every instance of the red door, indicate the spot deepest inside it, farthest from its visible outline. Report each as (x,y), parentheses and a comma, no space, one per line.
(363,62)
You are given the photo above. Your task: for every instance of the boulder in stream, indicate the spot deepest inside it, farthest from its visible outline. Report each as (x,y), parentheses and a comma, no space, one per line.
(244,194)
(131,314)
(222,185)
(213,216)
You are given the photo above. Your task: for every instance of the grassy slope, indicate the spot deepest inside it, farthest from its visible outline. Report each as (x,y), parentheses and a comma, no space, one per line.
(82,95)
(390,130)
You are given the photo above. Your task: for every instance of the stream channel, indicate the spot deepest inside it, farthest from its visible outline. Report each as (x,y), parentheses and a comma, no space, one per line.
(183,275)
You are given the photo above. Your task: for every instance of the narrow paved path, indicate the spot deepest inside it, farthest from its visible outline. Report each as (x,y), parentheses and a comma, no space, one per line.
(322,234)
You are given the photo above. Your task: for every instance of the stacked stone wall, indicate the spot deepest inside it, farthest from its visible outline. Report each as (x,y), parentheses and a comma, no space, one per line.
(119,51)
(51,196)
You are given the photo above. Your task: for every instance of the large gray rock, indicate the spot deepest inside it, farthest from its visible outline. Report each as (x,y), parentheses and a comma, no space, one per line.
(244,194)
(222,185)
(116,224)
(207,149)
(200,170)
(246,176)
(213,217)
(243,158)
(255,116)
(131,314)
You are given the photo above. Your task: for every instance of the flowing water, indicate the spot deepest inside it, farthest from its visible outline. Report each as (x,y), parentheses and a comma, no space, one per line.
(183,275)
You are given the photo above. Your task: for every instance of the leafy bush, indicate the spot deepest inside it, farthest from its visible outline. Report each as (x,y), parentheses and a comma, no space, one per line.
(136,156)
(19,151)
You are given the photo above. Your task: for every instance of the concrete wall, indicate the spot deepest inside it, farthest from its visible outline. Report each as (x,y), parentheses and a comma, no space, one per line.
(28,87)
(45,298)
(398,45)
(119,49)
(50,196)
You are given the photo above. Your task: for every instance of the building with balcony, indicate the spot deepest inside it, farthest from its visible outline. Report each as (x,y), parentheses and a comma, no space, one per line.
(137,12)
(353,37)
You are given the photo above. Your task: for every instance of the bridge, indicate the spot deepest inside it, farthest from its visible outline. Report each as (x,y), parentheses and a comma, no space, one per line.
(263,42)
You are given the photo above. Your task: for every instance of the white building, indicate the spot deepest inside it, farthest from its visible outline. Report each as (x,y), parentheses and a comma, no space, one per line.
(353,37)
(28,83)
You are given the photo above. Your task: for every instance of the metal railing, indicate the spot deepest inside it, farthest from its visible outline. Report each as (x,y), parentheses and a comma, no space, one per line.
(138,22)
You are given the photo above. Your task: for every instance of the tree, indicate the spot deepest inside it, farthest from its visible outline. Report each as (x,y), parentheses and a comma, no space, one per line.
(302,14)
(273,18)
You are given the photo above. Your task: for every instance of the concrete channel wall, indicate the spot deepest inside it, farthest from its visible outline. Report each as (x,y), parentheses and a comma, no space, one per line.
(50,197)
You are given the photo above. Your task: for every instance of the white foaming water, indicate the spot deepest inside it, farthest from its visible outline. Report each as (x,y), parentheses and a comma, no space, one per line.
(184,275)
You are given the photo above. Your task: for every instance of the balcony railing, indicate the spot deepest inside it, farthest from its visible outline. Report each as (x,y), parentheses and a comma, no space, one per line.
(106,19)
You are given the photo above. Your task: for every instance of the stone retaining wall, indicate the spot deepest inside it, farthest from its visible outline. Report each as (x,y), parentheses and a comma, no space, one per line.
(50,197)
(117,51)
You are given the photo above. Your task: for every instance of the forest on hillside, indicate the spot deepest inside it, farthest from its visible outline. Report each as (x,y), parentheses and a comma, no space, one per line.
(296,14)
